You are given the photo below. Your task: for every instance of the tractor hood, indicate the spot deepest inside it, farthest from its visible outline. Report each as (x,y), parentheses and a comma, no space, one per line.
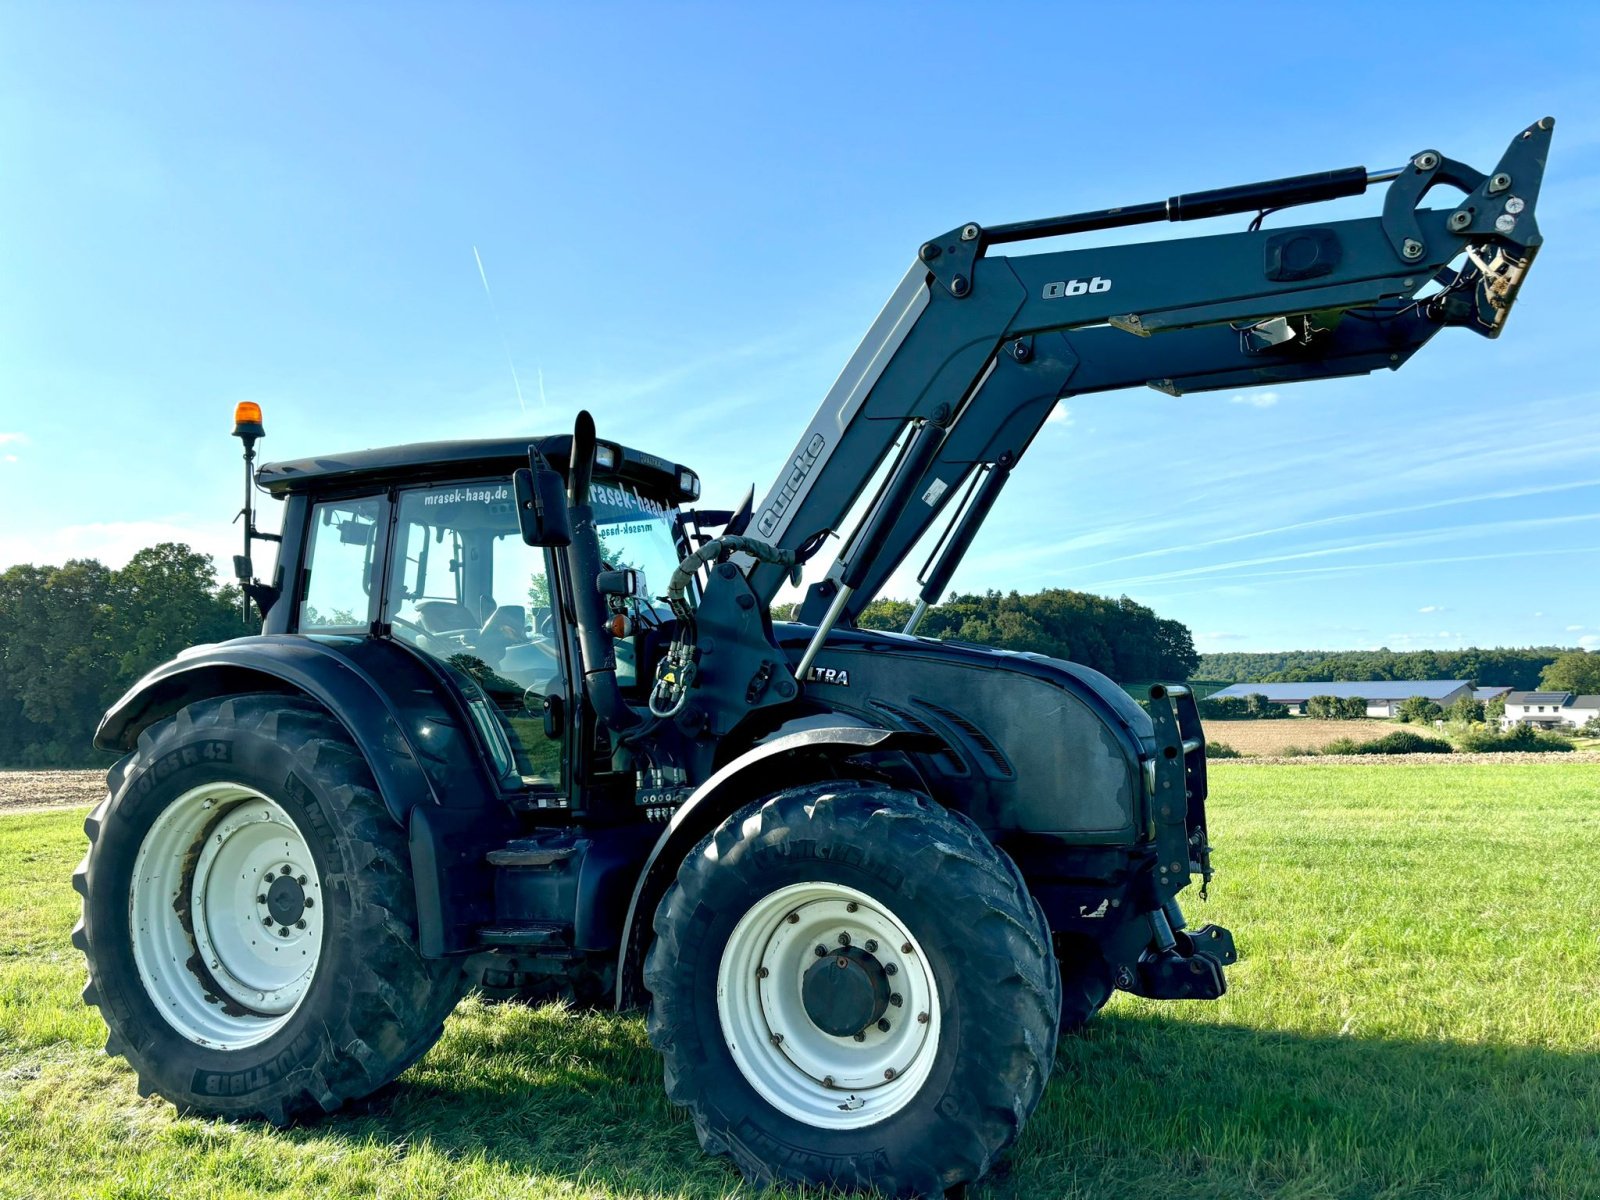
(1038,744)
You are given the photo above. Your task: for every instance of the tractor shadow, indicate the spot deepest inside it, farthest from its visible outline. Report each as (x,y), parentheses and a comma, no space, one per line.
(1138,1105)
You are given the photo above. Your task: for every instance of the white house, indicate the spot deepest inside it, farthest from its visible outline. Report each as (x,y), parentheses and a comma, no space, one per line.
(1549,709)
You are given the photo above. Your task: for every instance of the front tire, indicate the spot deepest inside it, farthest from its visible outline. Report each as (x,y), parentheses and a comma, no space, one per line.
(906,1055)
(249,917)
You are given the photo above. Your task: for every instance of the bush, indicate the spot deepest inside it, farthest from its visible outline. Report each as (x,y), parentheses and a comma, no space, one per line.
(1322,708)
(1254,707)
(1293,751)
(1221,750)
(1401,741)
(1352,708)
(1419,710)
(1518,737)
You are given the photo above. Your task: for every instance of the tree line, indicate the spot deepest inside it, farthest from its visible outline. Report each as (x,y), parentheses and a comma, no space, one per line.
(75,637)
(1517,668)
(1118,637)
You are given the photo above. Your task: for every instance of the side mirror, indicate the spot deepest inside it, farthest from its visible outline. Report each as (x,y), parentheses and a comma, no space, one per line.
(541,503)
(628,584)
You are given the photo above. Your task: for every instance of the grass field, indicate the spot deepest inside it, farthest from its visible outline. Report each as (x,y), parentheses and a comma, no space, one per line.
(1417,1014)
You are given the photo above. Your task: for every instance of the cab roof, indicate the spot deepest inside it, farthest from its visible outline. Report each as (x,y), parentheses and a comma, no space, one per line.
(419,462)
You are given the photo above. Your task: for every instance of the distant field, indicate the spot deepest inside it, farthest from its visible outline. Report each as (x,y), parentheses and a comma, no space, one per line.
(36,789)
(1270,737)
(1414,1016)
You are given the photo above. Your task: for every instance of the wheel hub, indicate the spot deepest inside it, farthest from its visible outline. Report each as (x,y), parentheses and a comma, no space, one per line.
(845,992)
(286,899)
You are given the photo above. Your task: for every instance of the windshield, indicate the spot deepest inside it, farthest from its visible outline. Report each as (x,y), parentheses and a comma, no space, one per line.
(634,531)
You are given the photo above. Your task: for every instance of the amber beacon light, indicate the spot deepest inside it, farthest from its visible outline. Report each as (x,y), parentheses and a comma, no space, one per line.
(247,420)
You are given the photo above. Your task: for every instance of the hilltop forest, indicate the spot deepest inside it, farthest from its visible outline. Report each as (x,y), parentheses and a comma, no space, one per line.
(1516,668)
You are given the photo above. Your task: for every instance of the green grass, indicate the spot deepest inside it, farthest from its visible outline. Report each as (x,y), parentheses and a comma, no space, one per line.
(1417,1014)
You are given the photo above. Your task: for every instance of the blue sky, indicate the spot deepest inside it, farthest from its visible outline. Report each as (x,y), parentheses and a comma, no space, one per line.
(688,215)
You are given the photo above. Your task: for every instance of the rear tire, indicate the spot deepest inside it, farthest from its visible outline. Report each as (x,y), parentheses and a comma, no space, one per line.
(232,987)
(911,1109)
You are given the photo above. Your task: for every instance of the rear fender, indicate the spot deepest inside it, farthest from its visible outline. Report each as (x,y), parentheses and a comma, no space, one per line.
(788,760)
(409,727)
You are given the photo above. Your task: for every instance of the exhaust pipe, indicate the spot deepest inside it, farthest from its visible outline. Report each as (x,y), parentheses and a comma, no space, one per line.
(595,646)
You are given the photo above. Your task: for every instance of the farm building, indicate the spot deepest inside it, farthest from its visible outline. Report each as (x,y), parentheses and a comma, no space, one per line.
(1383,696)
(1549,709)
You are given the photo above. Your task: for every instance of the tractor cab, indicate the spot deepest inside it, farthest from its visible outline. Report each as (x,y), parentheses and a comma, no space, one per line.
(422,545)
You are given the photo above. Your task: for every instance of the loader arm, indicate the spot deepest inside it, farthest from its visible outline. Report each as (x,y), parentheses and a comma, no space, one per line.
(973,350)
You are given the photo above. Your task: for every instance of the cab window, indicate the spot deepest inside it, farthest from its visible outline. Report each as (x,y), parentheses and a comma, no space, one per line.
(467,591)
(336,581)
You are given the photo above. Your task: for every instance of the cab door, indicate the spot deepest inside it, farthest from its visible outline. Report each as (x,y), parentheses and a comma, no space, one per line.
(466,591)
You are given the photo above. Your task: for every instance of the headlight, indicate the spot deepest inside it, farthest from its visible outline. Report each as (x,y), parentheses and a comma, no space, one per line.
(688,484)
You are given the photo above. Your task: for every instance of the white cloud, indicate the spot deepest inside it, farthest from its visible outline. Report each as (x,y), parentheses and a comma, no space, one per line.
(1428,608)
(1255,399)
(1590,641)
(13,439)
(1574,628)
(12,458)
(1538,614)
(1061,416)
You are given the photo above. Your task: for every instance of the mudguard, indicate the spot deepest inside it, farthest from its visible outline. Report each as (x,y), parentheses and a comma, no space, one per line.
(407,722)
(806,756)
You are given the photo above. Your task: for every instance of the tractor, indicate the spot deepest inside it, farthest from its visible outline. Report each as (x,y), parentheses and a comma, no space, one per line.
(519,716)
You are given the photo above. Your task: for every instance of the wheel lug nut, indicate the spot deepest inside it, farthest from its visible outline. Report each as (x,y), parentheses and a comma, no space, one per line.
(310,903)
(883,1026)
(822,952)
(844,939)
(299,924)
(922,1018)
(267,921)
(890,969)
(851,907)
(283,931)
(896,999)
(889,1073)
(777,1039)
(861,1037)
(870,945)
(905,947)
(261,899)
(827,1081)
(762,972)
(793,918)
(287,870)
(301,880)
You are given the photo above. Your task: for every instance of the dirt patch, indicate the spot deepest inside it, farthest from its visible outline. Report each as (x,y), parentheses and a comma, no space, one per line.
(1260,738)
(50,789)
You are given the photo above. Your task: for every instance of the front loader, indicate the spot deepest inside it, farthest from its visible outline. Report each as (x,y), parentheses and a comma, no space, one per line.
(518,717)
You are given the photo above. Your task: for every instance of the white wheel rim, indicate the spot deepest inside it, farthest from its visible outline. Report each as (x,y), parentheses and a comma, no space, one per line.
(803,1071)
(213,958)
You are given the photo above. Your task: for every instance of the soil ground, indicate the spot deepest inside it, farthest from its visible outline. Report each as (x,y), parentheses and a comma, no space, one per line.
(21,790)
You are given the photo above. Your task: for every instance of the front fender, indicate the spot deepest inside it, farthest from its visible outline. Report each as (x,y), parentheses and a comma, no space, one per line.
(806,756)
